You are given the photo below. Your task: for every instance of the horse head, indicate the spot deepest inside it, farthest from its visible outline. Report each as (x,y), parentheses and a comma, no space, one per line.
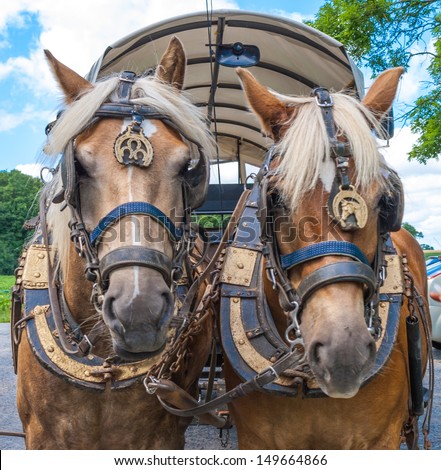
(326,192)
(134,163)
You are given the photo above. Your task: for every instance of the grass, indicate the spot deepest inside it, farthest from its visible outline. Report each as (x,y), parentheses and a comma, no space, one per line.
(429,253)
(6,283)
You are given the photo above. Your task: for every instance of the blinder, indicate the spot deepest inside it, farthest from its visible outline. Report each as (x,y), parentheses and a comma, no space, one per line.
(391,204)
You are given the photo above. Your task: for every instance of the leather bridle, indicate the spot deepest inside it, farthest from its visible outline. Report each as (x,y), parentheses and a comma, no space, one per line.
(357,269)
(86,244)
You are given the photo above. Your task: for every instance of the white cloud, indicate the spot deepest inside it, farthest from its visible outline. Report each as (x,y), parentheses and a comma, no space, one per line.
(422,186)
(32,169)
(71,31)
(9,121)
(78,32)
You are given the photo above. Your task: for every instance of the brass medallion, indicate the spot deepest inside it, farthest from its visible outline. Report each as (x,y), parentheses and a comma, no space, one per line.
(133,147)
(348,202)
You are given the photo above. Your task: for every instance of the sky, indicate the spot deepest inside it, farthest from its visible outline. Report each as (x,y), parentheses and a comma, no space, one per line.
(78,32)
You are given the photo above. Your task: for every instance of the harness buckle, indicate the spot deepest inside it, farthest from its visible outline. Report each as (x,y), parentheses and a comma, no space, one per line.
(294,327)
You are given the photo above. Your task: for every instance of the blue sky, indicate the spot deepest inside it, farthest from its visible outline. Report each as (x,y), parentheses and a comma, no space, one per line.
(29,97)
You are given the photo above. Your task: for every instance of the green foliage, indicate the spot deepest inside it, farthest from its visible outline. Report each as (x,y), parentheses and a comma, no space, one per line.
(6,283)
(212,221)
(18,196)
(425,246)
(386,33)
(412,230)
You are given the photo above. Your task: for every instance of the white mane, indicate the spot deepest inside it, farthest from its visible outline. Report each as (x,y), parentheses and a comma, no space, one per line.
(145,91)
(305,147)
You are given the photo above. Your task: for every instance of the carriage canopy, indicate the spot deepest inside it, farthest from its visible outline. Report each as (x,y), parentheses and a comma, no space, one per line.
(288,56)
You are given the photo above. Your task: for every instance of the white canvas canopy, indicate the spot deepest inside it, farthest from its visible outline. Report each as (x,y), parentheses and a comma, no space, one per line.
(294,58)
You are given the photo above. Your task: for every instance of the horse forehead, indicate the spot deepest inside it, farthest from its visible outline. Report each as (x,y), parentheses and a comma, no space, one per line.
(162,135)
(101,138)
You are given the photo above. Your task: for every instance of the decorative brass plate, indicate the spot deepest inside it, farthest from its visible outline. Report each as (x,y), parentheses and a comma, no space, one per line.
(347,202)
(76,369)
(238,266)
(35,271)
(132,147)
(246,350)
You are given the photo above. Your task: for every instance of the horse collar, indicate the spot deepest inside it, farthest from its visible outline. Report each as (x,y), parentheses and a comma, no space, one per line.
(83,370)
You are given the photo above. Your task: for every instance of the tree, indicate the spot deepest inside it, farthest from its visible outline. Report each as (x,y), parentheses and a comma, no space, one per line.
(18,193)
(386,33)
(425,246)
(412,230)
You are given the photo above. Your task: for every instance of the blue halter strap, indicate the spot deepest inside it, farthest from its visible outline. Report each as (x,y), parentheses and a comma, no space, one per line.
(139,208)
(321,249)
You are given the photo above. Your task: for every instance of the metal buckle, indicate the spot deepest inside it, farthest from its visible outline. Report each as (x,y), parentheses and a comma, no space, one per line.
(324,104)
(294,327)
(125,77)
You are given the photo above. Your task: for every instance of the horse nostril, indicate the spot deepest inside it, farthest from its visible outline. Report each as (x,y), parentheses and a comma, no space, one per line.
(314,352)
(372,349)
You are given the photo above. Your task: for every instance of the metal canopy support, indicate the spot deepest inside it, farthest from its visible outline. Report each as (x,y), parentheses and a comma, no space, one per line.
(215,70)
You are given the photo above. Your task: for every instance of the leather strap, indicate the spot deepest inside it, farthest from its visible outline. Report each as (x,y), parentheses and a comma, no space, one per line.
(343,271)
(135,256)
(256,383)
(318,250)
(129,208)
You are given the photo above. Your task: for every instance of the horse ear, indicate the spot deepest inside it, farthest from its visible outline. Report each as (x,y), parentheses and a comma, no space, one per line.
(270,110)
(171,68)
(197,180)
(70,82)
(382,92)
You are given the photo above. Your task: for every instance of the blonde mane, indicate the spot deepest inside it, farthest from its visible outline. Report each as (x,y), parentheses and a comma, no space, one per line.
(146,91)
(305,147)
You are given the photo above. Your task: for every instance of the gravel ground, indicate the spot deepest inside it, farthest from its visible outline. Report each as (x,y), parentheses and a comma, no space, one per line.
(197,437)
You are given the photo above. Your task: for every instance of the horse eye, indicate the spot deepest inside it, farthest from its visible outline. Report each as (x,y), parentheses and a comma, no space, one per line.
(185,167)
(80,170)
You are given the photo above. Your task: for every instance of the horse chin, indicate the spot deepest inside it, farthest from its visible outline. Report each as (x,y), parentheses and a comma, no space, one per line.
(337,390)
(129,356)
(143,348)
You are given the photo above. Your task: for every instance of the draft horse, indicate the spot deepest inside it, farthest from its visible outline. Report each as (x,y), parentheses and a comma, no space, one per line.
(324,324)
(95,296)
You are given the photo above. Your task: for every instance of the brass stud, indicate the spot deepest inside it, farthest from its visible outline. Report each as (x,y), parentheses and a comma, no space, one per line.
(235,300)
(241,341)
(90,357)
(40,256)
(240,265)
(37,275)
(382,304)
(50,349)
(87,373)
(38,310)
(246,280)
(273,359)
